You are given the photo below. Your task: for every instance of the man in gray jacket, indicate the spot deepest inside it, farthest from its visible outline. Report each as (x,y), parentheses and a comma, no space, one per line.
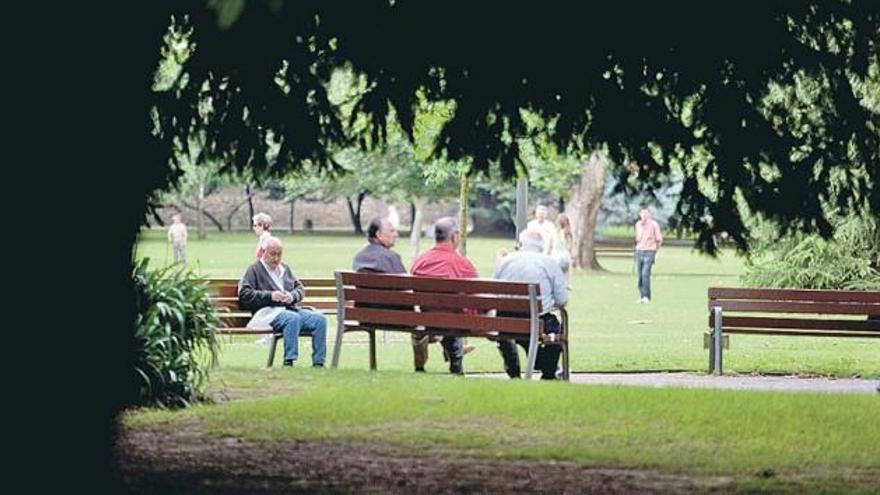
(270,290)
(530,264)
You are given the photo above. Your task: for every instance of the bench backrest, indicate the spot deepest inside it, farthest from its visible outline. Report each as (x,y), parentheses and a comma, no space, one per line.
(320,294)
(448,305)
(860,310)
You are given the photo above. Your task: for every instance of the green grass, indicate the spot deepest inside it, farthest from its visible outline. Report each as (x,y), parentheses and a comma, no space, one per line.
(610,331)
(699,432)
(811,442)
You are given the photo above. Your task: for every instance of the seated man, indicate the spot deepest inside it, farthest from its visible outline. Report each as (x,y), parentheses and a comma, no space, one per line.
(443,261)
(377,256)
(270,290)
(530,264)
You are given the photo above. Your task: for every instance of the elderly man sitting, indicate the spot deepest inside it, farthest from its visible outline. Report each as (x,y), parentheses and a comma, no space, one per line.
(270,290)
(530,264)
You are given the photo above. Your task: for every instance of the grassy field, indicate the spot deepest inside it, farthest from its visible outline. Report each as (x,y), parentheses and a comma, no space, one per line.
(821,442)
(610,331)
(759,441)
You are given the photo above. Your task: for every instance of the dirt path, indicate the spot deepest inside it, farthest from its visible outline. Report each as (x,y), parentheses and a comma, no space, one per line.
(731,382)
(185,460)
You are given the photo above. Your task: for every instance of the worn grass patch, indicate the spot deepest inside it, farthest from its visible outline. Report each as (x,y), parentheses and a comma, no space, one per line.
(698,432)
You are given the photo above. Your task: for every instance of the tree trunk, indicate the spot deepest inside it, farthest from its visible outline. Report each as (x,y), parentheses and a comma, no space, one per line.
(200,200)
(415,235)
(583,211)
(207,215)
(355,213)
(155,215)
(290,226)
(522,205)
(235,209)
(250,201)
(463,213)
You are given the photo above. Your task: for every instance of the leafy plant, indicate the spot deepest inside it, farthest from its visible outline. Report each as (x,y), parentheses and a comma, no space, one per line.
(174,335)
(848,260)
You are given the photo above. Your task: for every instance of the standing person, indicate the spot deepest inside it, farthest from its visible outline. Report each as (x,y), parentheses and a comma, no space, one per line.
(560,245)
(648,241)
(443,261)
(262,223)
(541,224)
(270,290)
(177,238)
(529,264)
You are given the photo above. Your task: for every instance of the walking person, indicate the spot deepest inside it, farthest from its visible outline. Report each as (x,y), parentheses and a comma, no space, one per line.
(560,245)
(177,237)
(648,241)
(262,225)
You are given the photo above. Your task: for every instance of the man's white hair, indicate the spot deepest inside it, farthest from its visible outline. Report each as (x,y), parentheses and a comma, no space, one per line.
(532,239)
(272,241)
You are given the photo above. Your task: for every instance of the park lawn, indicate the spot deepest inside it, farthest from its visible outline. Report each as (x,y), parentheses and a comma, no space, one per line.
(610,331)
(818,441)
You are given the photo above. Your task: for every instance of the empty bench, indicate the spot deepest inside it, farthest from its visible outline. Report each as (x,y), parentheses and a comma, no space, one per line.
(445,307)
(789,312)
(320,295)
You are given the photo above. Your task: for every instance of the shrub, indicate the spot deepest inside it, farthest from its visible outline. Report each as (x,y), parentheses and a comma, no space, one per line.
(175,341)
(848,260)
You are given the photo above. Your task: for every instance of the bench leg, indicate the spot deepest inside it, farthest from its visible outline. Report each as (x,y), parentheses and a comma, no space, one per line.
(272,346)
(337,347)
(717,344)
(372,349)
(566,366)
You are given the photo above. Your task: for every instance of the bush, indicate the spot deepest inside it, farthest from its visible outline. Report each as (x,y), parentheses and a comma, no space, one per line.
(849,260)
(175,341)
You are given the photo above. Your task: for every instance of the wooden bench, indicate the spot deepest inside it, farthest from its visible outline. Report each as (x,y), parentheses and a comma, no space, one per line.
(434,306)
(732,311)
(606,251)
(320,294)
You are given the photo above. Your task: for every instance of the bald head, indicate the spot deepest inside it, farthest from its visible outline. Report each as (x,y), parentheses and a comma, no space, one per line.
(273,250)
(445,229)
(531,240)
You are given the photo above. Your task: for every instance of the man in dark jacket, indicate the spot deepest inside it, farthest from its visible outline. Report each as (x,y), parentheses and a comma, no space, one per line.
(377,256)
(270,290)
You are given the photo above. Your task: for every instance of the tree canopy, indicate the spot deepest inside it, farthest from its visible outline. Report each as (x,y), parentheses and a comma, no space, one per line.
(663,85)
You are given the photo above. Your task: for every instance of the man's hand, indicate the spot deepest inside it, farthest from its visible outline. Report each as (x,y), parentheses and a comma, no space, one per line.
(281,296)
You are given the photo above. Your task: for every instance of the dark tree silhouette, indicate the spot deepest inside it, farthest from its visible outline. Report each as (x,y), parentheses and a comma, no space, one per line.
(620,73)
(654,82)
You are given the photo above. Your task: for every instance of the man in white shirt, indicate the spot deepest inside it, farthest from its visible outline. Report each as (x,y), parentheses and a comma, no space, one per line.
(270,290)
(542,225)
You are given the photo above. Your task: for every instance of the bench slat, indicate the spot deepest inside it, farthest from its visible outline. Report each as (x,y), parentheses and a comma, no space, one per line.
(246,331)
(797,323)
(473,324)
(794,295)
(427,284)
(232,291)
(434,300)
(826,307)
(804,333)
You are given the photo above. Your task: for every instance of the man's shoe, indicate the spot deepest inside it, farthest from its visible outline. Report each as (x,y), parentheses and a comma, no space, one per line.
(467,349)
(644,300)
(420,369)
(288,362)
(318,365)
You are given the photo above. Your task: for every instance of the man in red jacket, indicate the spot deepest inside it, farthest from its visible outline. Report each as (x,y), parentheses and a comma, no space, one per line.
(443,261)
